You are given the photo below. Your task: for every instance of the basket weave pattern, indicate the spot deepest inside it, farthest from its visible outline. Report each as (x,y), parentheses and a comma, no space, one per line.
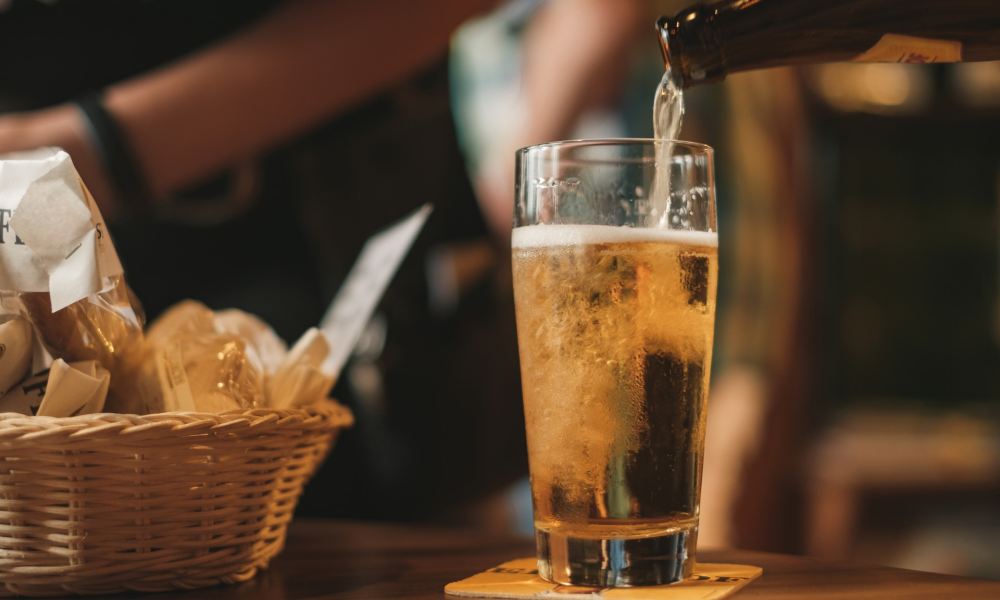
(105,503)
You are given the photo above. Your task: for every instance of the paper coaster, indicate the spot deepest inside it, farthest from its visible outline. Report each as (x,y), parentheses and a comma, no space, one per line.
(519,579)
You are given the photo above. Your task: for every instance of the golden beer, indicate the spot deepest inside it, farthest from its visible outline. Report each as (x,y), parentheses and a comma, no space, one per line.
(615,329)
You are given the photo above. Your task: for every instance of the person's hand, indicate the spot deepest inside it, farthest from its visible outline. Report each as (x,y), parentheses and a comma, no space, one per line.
(61,126)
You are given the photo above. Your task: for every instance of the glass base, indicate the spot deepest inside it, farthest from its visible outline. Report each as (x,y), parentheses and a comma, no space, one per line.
(616,562)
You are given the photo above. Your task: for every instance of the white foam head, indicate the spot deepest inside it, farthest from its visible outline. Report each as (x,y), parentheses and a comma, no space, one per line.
(573,235)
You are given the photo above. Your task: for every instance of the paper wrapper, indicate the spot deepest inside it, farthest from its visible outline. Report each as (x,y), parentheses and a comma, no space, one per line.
(104,327)
(188,317)
(270,348)
(300,379)
(209,373)
(206,364)
(16,349)
(63,390)
(210,362)
(519,579)
(56,255)
(52,236)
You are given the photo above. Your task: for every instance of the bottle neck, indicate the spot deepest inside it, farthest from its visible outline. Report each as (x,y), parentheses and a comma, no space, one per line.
(707,41)
(692,47)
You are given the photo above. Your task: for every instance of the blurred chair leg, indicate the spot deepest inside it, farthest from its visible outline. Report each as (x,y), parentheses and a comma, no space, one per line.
(736,412)
(832,518)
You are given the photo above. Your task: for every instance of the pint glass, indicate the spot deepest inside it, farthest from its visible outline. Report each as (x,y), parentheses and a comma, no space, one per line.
(615,267)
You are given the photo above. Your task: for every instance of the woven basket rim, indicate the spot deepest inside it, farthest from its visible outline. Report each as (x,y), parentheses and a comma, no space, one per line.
(337,414)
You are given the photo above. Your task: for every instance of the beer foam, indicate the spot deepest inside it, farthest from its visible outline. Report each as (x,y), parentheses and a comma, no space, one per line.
(574,235)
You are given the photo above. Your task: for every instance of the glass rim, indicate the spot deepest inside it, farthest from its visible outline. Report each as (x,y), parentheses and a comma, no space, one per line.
(695,147)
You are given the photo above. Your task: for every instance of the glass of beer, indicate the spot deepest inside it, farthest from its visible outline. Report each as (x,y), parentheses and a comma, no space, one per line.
(615,266)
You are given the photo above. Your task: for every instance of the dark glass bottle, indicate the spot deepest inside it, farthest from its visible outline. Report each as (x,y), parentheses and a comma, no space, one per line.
(705,42)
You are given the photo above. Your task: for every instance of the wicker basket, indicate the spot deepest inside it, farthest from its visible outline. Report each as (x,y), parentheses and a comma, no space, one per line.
(107,503)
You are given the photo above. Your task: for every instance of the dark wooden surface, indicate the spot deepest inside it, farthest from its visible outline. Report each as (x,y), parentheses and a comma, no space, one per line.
(335,560)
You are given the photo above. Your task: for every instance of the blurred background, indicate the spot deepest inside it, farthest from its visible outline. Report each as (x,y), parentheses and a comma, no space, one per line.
(855,410)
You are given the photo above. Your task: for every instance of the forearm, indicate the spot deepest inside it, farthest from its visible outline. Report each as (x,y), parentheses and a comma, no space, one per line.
(64,127)
(576,55)
(306,62)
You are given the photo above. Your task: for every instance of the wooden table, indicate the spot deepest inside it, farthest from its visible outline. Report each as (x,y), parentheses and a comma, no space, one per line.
(335,560)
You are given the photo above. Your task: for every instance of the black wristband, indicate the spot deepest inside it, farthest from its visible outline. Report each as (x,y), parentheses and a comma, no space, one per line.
(113,150)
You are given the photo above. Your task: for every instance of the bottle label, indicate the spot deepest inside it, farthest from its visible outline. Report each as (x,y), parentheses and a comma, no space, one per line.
(908,49)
